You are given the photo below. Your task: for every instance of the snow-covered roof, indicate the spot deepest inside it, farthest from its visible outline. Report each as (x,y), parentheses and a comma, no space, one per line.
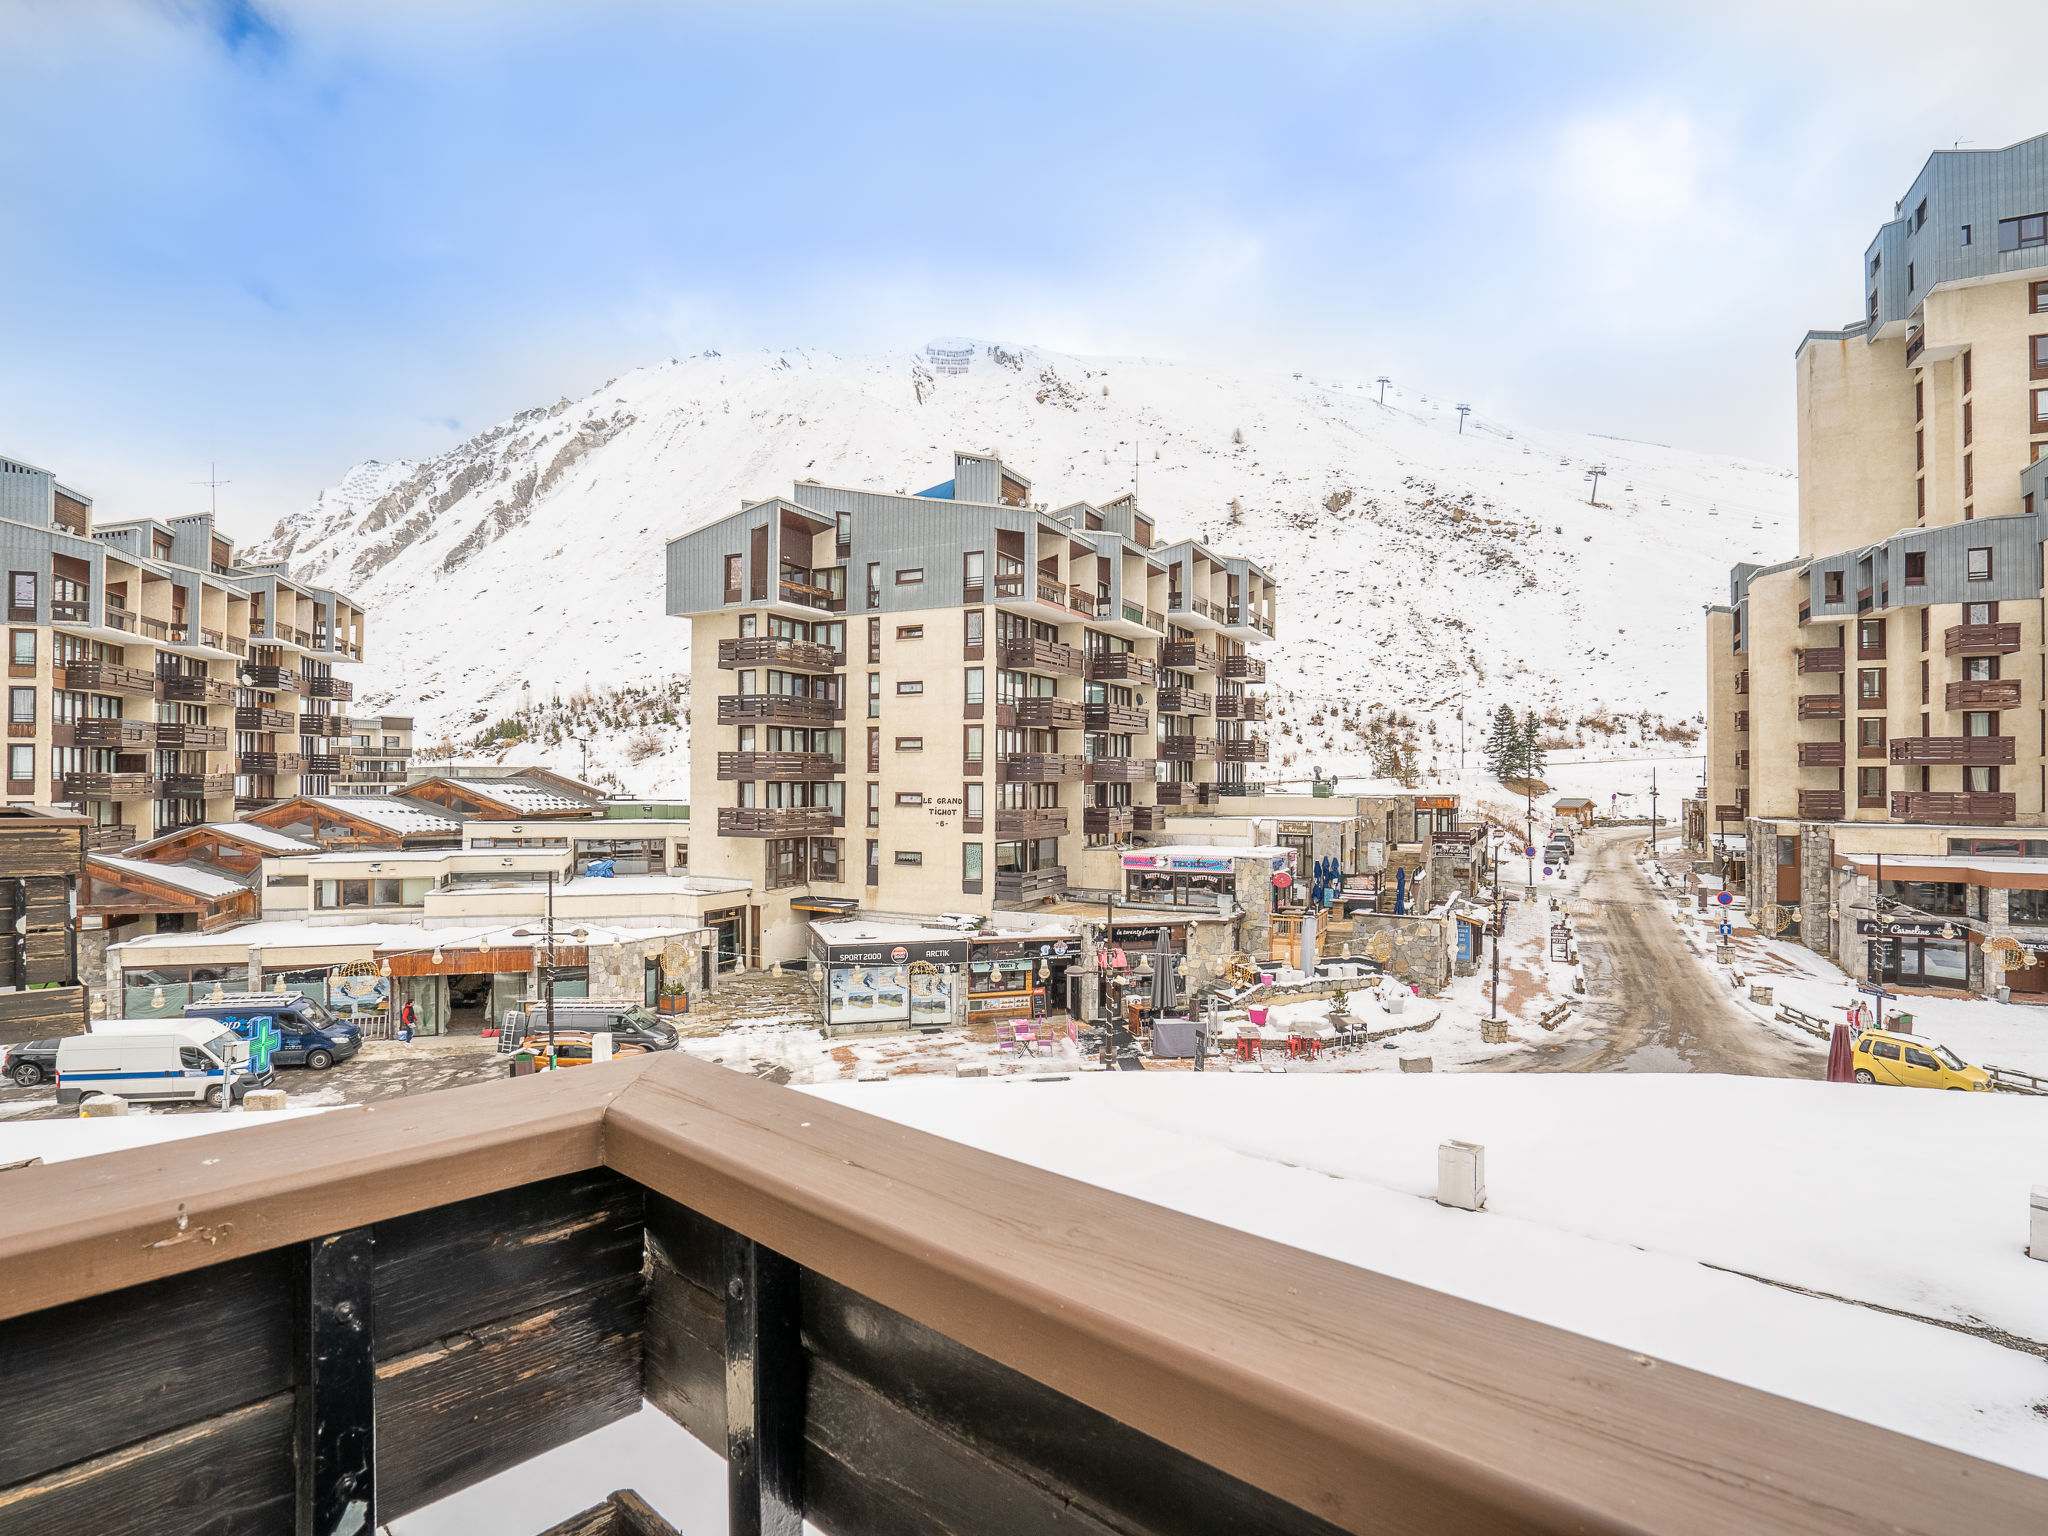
(200,882)
(523,795)
(381,938)
(395,814)
(886,933)
(656,885)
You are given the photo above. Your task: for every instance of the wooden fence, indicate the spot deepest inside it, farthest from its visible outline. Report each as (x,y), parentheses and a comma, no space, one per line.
(324,1323)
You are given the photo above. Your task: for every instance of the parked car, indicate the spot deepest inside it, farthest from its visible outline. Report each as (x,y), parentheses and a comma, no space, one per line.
(573,1047)
(1906,1061)
(157,1059)
(308,1033)
(31,1062)
(1557,853)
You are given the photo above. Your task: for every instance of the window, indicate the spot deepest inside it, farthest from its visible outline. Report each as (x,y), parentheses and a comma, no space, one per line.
(2037,357)
(909,858)
(2023,233)
(874,583)
(909,743)
(1966,373)
(1909,277)
(1919,402)
(2037,298)
(1969,423)
(844,534)
(874,642)
(1920,216)
(973,570)
(971,802)
(21,596)
(970,863)
(1870,687)
(1980,722)
(2030,907)
(1870,637)
(734,566)
(1869,786)
(974,685)
(910,578)
(1980,781)
(1966,234)
(906,689)
(874,805)
(973,749)
(1920,499)
(909,631)
(874,862)
(1870,736)
(1831,586)
(21,763)
(1886,1049)
(874,695)
(1969,471)
(874,749)
(1916,569)
(1978,565)
(23,653)
(1980,669)
(21,706)
(1919,450)
(909,797)
(974,631)
(2040,417)
(1980,613)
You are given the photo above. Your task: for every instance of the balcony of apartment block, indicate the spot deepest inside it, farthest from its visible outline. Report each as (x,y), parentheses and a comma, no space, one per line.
(1132,620)
(1044,714)
(1238,789)
(1812,754)
(1187,749)
(1107,820)
(1742,681)
(1822,706)
(1245,621)
(1985,693)
(1820,804)
(1120,770)
(1193,612)
(318,725)
(110,786)
(1183,701)
(250,717)
(109,677)
(1815,659)
(1118,719)
(1041,768)
(1038,821)
(196,690)
(1120,667)
(1245,749)
(1188,656)
(112,838)
(1086,603)
(1040,596)
(244,804)
(777,821)
(123,735)
(220,640)
(1959,808)
(1980,639)
(1147,818)
(1030,884)
(1239,707)
(1017,655)
(778,709)
(780,652)
(822,590)
(203,785)
(329,688)
(1742,762)
(327,762)
(1245,669)
(272,679)
(779,767)
(175,734)
(273,762)
(1742,721)
(1185,792)
(1968,751)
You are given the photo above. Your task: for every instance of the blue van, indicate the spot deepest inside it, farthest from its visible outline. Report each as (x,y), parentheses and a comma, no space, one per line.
(299,1031)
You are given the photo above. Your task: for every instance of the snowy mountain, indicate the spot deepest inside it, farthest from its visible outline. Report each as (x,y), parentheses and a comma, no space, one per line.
(515,582)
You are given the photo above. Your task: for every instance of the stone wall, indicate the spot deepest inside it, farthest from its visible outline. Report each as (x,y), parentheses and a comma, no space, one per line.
(619,970)
(1816,886)
(1423,946)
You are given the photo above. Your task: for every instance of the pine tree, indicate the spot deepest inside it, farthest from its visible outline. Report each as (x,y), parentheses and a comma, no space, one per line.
(1533,764)
(1504,745)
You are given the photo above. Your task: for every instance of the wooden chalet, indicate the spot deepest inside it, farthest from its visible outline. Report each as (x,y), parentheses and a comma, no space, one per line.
(533,795)
(362,822)
(42,861)
(177,897)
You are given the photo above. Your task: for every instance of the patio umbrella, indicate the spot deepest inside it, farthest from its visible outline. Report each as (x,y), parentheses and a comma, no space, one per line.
(1165,984)
(1840,1069)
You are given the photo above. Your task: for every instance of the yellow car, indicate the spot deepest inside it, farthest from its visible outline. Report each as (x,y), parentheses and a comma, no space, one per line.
(1905,1061)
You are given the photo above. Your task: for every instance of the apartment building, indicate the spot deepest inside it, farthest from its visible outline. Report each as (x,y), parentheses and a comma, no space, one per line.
(1881,692)
(959,698)
(381,749)
(157,680)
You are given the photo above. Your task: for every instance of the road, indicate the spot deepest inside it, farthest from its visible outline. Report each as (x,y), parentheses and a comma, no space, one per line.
(1651,1006)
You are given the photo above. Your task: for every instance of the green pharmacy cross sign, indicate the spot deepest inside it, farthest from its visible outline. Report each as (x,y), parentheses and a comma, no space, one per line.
(260,1030)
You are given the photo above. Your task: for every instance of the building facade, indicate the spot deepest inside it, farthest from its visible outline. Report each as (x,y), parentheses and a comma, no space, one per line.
(381,748)
(958,698)
(1881,692)
(155,679)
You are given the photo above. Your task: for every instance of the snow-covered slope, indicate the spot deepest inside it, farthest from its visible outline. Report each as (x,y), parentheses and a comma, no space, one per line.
(1425,569)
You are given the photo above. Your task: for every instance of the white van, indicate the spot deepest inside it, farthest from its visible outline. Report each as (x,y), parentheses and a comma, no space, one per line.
(156,1059)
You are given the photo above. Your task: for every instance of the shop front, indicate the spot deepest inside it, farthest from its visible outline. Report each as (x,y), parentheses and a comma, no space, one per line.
(1162,877)
(1916,953)
(889,982)
(1019,978)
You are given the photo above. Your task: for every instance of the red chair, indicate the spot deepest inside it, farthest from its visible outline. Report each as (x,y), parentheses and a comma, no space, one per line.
(1247,1047)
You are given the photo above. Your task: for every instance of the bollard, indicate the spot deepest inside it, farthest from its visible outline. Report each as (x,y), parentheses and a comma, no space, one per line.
(101,1104)
(977,1069)
(1764,995)
(1724,954)
(1417,1063)
(1493,1031)
(258,1100)
(1461,1175)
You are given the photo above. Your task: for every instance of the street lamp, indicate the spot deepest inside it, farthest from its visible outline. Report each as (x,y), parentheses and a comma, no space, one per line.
(547,935)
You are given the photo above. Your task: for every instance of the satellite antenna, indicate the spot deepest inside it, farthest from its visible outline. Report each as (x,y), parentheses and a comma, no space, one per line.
(1463,412)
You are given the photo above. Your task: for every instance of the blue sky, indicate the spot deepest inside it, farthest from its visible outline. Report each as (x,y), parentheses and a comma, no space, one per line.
(290,237)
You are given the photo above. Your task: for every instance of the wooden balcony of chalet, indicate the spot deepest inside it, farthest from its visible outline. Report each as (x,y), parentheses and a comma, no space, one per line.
(1959,808)
(272,679)
(1122,667)
(1817,659)
(1121,770)
(1822,706)
(1245,669)
(779,767)
(1985,693)
(1030,885)
(1971,751)
(777,821)
(778,709)
(270,762)
(1980,639)
(1147,818)
(1239,789)
(780,652)
(1184,792)
(1183,701)
(201,785)
(110,786)
(1041,656)
(1247,749)
(1239,706)
(1038,821)
(1187,749)
(1118,719)
(1187,656)
(1041,768)
(329,688)
(1812,754)
(1820,804)
(177,735)
(123,735)
(196,690)
(327,762)
(109,677)
(1107,820)
(1742,681)
(321,725)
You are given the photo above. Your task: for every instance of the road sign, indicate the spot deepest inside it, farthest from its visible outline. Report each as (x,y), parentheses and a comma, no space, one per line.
(1725,899)
(1529,852)
(1546,869)
(1727,930)
(1873,991)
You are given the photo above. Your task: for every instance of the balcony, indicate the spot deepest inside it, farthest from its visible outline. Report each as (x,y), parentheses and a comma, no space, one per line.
(1820,658)
(776,651)
(196,690)
(1041,656)
(1987,693)
(1041,768)
(1742,681)
(109,839)
(1812,754)
(1965,808)
(68,612)
(1820,804)
(271,762)
(1245,669)
(1188,656)
(1118,719)
(203,785)
(1030,885)
(244,804)
(1194,610)
(327,762)
(272,679)
(1121,770)
(109,786)
(1970,751)
(1040,821)
(1183,701)
(1980,639)
(1186,749)
(1742,721)
(172,734)
(1107,820)
(108,677)
(1250,749)
(1238,789)
(249,717)
(1185,792)
(329,688)
(1239,707)
(1081,600)
(126,735)
(803,589)
(1121,667)
(320,725)
(777,709)
(1821,706)
(779,767)
(1048,714)
(1147,818)
(777,821)
(119,618)
(1742,762)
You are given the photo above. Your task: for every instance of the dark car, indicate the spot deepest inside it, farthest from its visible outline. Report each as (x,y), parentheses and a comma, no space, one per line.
(33,1062)
(308,1035)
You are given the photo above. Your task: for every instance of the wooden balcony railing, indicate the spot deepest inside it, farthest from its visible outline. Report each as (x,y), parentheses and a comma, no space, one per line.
(1121,770)
(1742,720)
(272,679)
(1821,706)
(1030,885)
(1239,707)
(1147,818)
(196,690)
(153,629)
(171,734)
(1971,751)
(111,838)
(329,688)
(1820,804)
(1183,701)
(1041,768)
(777,709)
(1245,669)
(204,785)
(1742,681)
(1041,656)
(119,618)
(1184,792)
(1081,600)
(271,762)
(1118,719)
(250,717)
(1050,591)
(1107,820)
(1249,749)
(778,821)
(327,762)
(1742,760)
(1238,789)
(1966,808)
(1188,656)
(779,767)
(109,786)
(1040,821)
(1050,714)
(109,677)
(126,735)
(1186,749)
(1812,754)
(321,725)
(1815,659)
(1729,813)
(1121,667)
(1980,639)
(1986,693)
(776,651)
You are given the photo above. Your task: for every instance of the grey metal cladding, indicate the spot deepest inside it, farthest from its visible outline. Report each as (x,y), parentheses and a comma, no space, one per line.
(976,479)
(192,540)
(2015,545)
(2034,483)
(1974,187)
(27,494)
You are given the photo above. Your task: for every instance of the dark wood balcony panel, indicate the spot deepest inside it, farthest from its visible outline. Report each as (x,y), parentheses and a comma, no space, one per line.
(1187,749)
(272,679)
(779,767)
(175,734)
(1742,762)
(1030,885)
(203,785)
(1122,667)
(1118,719)
(251,717)
(1121,770)
(777,651)
(1742,681)
(109,786)
(1245,669)
(1051,714)
(1183,701)
(1822,706)
(327,762)
(321,725)
(1184,792)
(1041,768)
(1239,707)
(1819,659)
(270,762)
(109,677)
(1188,656)
(1980,639)
(133,735)
(329,688)
(1971,751)
(1742,721)
(1107,820)
(196,690)
(1812,754)
(1250,749)
(1041,656)
(778,821)
(1237,789)
(1081,600)
(1147,818)
(1820,804)
(1041,821)
(1987,693)
(1961,808)
(777,709)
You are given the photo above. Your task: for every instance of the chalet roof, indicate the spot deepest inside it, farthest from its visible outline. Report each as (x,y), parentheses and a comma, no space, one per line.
(393,812)
(266,838)
(526,795)
(186,877)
